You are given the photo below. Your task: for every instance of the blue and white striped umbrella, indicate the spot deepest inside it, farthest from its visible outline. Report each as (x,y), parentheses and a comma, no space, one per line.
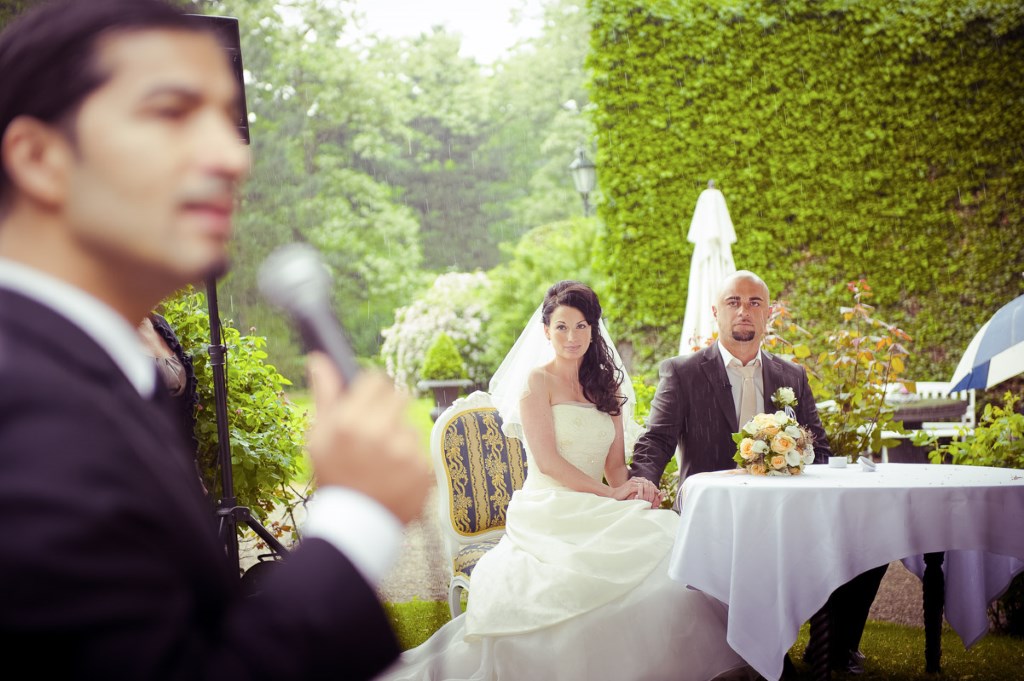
(997,351)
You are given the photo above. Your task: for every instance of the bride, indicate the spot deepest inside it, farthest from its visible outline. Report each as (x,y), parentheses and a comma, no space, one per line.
(577,588)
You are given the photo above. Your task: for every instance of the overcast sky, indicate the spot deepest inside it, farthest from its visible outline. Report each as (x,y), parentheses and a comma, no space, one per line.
(485,25)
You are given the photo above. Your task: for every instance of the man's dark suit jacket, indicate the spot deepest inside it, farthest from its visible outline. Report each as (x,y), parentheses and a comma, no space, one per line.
(110,561)
(693,407)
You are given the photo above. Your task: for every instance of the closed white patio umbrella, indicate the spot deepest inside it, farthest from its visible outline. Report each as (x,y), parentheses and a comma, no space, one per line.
(712,234)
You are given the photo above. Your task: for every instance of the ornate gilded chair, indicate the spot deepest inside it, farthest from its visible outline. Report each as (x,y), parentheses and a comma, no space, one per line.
(477,470)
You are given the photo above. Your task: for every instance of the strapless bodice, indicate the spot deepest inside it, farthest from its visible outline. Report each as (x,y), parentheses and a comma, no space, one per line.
(583,435)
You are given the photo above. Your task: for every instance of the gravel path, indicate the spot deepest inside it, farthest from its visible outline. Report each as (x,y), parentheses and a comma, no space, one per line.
(421,573)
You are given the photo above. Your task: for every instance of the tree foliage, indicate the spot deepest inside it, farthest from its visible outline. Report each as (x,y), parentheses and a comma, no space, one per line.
(543,256)
(395,156)
(315,111)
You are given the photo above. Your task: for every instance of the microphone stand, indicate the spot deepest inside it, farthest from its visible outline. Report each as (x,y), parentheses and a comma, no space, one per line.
(229,513)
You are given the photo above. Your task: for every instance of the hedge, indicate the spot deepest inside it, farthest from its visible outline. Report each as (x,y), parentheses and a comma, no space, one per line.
(872,139)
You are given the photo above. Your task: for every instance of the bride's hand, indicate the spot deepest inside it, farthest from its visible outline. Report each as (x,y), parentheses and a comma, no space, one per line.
(639,488)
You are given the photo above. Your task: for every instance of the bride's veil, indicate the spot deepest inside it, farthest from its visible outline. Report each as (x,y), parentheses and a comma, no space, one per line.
(531,350)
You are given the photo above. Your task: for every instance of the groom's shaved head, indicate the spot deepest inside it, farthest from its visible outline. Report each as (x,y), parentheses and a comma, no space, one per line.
(742,314)
(728,282)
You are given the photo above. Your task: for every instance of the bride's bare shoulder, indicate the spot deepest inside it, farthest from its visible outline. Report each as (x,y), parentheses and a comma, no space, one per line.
(542,378)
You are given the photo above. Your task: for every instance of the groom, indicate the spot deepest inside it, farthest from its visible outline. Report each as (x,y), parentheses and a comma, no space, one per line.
(704,398)
(697,404)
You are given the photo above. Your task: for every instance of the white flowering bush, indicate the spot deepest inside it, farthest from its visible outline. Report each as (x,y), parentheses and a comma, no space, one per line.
(458,304)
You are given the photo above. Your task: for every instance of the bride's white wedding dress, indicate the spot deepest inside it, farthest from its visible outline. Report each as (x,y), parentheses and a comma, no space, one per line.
(578,588)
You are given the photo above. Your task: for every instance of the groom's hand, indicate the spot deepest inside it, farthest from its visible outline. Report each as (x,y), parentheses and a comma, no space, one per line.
(647,490)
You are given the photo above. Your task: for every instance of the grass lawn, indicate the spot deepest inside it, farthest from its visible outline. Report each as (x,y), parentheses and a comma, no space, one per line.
(419,413)
(897,652)
(894,651)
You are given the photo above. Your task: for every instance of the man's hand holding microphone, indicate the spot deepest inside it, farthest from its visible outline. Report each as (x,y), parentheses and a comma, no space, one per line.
(361,438)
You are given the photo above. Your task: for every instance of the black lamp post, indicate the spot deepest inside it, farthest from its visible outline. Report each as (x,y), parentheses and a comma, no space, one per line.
(584,176)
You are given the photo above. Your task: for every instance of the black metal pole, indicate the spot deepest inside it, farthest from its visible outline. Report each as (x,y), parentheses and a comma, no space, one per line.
(229,513)
(227,501)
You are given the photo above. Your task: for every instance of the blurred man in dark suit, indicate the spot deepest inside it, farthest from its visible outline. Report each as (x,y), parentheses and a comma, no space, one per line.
(120,163)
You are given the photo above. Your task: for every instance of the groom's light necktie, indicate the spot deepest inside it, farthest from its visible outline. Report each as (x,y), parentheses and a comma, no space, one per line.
(748,391)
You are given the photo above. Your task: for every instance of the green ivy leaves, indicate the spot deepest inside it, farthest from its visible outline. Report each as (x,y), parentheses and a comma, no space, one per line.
(851,139)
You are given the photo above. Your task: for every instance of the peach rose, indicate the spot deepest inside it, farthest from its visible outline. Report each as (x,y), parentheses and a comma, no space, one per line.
(747,449)
(778,462)
(782,443)
(758,469)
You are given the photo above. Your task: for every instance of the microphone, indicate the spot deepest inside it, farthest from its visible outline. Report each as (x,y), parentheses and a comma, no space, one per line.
(295,279)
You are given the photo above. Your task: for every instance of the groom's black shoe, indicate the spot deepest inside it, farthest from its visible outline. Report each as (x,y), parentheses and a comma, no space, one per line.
(853,663)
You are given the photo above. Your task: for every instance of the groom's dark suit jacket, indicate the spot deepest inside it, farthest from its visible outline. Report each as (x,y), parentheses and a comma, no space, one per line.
(693,407)
(110,561)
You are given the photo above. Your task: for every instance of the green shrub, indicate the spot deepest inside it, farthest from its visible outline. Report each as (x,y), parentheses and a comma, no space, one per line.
(863,356)
(997,440)
(443,361)
(266,432)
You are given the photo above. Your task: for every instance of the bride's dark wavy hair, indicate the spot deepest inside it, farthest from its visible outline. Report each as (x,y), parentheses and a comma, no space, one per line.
(599,377)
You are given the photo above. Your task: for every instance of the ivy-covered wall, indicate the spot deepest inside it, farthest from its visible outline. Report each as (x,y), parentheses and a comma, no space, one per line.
(881,139)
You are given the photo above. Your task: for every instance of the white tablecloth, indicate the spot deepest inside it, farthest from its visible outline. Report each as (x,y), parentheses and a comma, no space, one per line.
(773,549)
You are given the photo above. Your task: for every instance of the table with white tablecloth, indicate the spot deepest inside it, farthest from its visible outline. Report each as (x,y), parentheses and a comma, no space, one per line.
(774,548)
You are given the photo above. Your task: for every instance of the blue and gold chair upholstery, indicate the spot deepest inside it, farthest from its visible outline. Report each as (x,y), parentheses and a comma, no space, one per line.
(477,470)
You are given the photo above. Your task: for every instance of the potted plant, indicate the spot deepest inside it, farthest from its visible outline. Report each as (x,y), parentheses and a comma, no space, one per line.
(443,372)
(851,378)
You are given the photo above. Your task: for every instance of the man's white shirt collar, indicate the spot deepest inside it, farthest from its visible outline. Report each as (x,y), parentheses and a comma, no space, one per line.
(728,357)
(99,321)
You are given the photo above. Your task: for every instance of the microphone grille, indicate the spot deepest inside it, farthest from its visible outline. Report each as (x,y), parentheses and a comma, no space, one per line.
(295,278)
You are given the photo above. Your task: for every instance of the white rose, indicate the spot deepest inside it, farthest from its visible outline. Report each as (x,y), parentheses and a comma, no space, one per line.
(793,458)
(785,396)
(781,418)
(808,457)
(761,447)
(793,432)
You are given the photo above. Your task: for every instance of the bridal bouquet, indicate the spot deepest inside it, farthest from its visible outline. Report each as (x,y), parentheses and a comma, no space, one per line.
(773,444)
